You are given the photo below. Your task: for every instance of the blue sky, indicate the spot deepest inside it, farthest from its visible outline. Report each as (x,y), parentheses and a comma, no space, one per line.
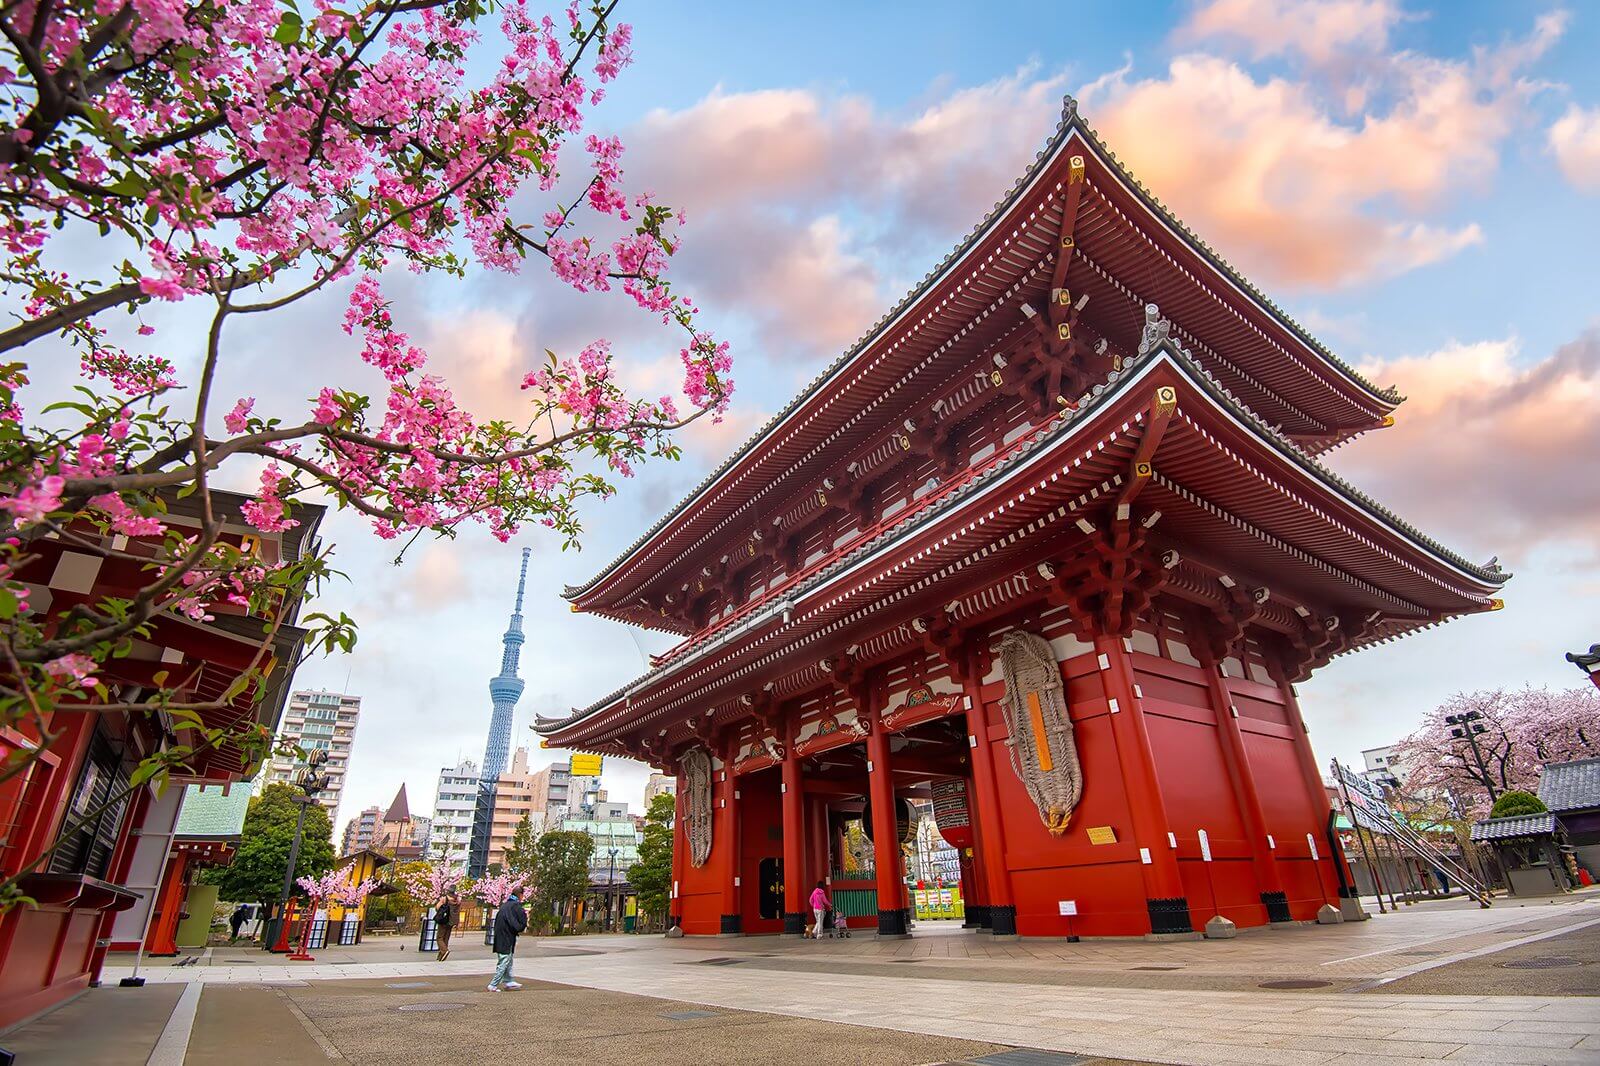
(828,156)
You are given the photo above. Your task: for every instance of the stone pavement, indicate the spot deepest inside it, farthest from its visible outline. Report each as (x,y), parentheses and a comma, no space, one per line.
(1356,993)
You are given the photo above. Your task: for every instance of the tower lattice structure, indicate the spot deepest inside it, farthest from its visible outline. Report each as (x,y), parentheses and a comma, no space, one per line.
(505,688)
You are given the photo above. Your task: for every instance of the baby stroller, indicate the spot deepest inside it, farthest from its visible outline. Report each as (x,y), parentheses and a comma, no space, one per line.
(841,925)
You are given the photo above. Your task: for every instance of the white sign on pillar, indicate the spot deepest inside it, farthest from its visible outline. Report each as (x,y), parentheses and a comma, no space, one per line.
(1205,846)
(1312,842)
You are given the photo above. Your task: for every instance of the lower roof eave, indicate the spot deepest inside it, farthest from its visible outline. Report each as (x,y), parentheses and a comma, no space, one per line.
(581,728)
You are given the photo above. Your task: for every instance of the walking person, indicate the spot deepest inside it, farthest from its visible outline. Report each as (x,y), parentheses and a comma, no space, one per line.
(444,920)
(820,904)
(509,922)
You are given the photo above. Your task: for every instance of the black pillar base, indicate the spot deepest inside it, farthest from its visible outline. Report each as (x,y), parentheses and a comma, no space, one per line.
(1277,904)
(977,916)
(794,923)
(1349,892)
(733,923)
(1170,915)
(892,923)
(1003,921)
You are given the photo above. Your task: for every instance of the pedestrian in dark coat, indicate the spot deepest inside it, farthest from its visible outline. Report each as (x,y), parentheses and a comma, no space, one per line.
(509,922)
(444,918)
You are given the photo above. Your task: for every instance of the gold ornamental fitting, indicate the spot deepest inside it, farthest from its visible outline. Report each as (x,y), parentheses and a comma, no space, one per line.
(1063,297)
(1066,241)
(1075,169)
(994,378)
(1497,604)
(1142,470)
(1064,331)
(1166,398)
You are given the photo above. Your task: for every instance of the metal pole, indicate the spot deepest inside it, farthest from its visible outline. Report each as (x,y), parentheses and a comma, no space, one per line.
(1472,742)
(294,856)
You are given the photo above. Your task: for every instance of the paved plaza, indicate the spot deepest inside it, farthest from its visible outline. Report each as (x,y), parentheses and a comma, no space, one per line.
(1437,981)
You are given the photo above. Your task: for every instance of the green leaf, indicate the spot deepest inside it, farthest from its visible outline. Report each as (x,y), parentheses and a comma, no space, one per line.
(288,31)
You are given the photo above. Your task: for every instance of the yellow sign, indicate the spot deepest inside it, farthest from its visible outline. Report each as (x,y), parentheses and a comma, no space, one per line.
(586,765)
(1102,834)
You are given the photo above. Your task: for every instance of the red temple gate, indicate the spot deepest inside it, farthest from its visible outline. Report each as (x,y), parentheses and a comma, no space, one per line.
(1081,455)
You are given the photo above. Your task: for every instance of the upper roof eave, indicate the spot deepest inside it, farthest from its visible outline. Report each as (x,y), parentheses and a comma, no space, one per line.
(1071,122)
(1489,576)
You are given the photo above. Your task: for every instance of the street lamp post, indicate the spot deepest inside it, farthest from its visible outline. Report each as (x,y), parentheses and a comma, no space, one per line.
(611,891)
(311,783)
(1466,728)
(1588,662)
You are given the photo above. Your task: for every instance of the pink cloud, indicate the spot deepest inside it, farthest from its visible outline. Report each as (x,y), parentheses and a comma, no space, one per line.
(1321,30)
(1270,172)
(1575,140)
(1491,452)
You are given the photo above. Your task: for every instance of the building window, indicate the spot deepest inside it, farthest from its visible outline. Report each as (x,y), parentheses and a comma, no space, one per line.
(89,834)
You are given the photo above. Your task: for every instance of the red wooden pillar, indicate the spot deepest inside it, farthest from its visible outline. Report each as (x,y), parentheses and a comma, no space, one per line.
(1000,910)
(892,918)
(680,852)
(163,939)
(1166,902)
(1337,876)
(727,836)
(794,840)
(1237,761)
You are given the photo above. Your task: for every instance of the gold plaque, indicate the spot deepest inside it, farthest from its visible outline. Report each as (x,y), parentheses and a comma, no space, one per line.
(1064,331)
(1102,834)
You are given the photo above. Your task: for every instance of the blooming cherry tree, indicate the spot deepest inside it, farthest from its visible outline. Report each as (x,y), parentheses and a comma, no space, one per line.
(350,895)
(1523,731)
(428,886)
(239,156)
(498,888)
(320,890)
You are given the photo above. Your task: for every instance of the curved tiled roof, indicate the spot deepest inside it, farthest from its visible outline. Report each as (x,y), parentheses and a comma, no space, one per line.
(1520,825)
(1571,786)
(1070,121)
(1039,442)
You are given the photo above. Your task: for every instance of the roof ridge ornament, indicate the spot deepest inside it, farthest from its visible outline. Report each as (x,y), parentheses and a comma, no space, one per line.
(1157,330)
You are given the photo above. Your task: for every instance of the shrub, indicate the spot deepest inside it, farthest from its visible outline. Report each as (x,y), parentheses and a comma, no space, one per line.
(1513,803)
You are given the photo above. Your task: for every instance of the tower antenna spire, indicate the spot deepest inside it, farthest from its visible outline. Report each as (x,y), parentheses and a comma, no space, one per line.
(505,689)
(522,579)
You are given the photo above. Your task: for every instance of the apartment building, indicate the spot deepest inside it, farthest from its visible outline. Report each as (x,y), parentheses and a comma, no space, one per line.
(325,720)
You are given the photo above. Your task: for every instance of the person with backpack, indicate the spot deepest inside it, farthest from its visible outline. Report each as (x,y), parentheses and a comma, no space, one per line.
(444,919)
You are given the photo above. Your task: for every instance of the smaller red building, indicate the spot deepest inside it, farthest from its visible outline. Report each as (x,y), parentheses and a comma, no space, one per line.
(112,858)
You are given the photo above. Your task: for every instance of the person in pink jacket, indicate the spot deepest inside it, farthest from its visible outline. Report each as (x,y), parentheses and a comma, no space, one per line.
(819,904)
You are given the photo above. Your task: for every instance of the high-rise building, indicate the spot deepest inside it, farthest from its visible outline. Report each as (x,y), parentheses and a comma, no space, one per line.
(658,785)
(316,719)
(453,800)
(516,793)
(505,688)
(361,831)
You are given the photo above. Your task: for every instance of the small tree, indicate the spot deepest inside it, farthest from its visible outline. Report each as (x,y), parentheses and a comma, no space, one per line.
(651,876)
(426,882)
(563,871)
(262,859)
(522,856)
